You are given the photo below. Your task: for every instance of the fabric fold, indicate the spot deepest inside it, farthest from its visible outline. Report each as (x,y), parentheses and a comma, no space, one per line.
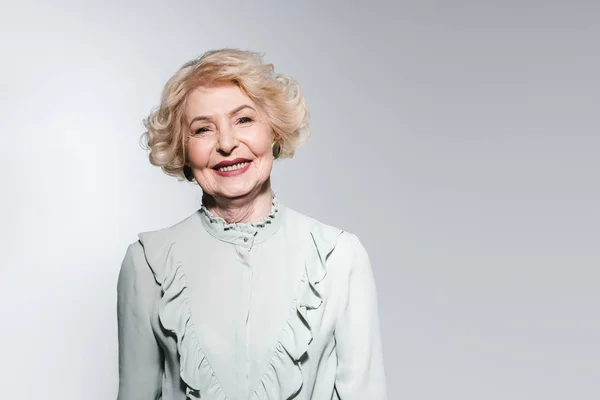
(283,378)
(175,316)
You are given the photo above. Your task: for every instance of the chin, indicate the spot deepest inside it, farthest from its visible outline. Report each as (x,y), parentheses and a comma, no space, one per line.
(236,190)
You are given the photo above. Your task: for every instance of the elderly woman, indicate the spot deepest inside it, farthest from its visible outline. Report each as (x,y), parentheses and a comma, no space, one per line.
(245,298)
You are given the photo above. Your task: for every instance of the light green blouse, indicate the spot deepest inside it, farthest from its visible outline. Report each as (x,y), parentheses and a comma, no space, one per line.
(285,308)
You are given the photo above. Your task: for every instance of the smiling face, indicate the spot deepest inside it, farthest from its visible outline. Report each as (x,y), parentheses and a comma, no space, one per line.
(229,150)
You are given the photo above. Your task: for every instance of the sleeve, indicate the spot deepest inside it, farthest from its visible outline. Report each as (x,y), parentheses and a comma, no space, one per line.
(140,357)
(360,374)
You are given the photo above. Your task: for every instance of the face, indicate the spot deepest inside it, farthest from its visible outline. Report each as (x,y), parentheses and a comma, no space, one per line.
(229,150)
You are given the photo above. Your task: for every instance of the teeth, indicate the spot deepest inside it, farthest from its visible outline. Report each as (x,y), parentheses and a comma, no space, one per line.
(233,167)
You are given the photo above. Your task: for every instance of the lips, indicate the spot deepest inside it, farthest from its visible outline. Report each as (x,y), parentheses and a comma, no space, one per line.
(232,165)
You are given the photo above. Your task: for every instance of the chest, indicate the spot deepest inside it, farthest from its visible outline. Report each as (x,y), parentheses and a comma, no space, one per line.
(242,301)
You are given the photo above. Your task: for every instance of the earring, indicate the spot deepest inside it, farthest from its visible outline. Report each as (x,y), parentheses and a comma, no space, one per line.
(187,172)
(276,150)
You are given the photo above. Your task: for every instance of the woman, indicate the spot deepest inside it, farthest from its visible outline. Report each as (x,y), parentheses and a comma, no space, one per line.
(245,298)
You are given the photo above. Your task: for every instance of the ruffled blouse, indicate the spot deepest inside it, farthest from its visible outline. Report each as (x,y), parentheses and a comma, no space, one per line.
(283,308)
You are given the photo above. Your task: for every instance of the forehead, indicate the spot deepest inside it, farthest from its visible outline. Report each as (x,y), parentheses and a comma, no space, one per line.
(217,99)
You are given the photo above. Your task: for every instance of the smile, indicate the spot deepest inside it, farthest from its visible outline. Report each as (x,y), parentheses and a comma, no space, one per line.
(233,167)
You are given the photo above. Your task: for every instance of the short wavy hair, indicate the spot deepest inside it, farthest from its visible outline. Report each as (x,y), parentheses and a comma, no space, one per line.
(277,95)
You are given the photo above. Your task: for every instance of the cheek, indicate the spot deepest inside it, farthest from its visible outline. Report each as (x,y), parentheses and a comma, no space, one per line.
(198,152)
(265,166)
(261,147)
(260,142)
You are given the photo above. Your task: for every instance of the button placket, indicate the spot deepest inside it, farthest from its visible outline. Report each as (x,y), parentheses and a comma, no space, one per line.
(248,239)
(242,324)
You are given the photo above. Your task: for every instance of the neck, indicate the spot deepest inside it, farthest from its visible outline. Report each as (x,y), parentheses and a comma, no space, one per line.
(252,207)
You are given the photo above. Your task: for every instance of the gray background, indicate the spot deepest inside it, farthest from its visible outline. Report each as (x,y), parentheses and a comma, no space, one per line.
(459,140)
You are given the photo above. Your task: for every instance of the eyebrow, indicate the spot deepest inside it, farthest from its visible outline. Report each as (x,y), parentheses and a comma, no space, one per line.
(230,114)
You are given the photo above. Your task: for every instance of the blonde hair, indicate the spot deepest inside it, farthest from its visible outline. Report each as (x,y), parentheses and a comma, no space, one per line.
(277,95)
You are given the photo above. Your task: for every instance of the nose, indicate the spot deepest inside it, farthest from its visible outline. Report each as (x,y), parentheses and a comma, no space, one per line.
(227,140)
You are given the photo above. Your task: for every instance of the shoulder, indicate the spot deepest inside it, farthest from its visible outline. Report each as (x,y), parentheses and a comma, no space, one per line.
(152,249)
(350,255)
(134,257)
(134,273)
(168,233)
(343,243)
(304,221)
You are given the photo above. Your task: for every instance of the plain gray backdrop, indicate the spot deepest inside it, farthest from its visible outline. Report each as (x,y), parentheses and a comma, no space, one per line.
(458,139)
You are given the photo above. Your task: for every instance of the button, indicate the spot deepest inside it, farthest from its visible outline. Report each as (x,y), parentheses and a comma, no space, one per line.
(245,239)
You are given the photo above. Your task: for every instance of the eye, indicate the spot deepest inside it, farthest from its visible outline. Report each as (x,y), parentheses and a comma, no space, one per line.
(202,130)
(245,120)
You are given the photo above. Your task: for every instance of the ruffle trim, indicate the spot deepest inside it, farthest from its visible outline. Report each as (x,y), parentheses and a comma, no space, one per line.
(283,376)
(175,316)
(246,227)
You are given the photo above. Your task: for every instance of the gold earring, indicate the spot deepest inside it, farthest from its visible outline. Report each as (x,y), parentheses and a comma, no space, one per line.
(276,150)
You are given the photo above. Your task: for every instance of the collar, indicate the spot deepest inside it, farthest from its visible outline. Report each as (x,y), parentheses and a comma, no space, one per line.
(243,234)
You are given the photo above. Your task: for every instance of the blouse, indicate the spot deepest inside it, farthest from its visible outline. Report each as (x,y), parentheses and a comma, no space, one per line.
(284,308)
